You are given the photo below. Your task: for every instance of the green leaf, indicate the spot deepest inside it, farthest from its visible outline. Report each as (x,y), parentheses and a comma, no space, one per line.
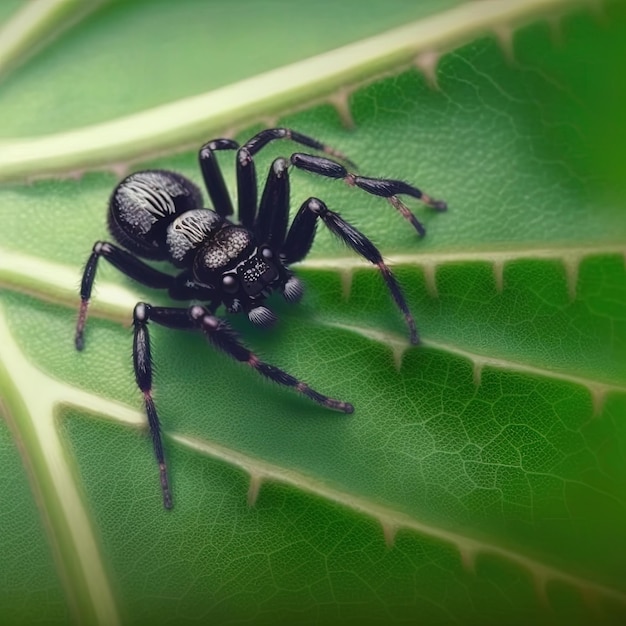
(481,478)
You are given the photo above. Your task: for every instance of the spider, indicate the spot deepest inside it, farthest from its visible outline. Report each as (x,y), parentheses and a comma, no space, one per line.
(160,215)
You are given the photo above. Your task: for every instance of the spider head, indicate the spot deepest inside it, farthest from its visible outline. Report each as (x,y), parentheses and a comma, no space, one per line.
(250,282)
(244,273)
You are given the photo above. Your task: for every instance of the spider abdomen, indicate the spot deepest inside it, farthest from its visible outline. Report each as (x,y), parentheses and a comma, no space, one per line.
(144,204)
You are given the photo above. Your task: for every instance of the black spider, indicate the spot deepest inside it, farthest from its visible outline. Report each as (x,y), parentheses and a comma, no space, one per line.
(159,215)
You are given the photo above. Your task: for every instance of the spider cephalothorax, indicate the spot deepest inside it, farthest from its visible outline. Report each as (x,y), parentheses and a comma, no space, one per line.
(159,215)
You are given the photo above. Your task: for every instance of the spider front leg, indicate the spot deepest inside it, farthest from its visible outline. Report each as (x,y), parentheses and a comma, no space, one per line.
(300,238)
(127,264)
(212,174)
(246,170)
(384,187)
(270,225)
(222,336)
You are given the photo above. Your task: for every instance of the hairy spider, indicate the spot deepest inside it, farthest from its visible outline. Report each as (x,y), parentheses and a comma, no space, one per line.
(159,215)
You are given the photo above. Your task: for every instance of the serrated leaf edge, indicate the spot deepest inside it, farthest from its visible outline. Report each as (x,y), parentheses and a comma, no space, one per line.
(571,258)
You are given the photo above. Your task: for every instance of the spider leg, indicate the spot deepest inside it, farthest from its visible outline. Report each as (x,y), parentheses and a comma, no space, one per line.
(127,264)
(302,232)
(270,226)
(273,217)
(212,174)
(260,140)
(142,362)
(246,170)
(222,336)
(387,188)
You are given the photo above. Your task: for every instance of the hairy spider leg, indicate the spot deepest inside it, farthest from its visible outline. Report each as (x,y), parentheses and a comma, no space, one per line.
(142,362)
(260,140)
(127,264)
(386,188)
(271,225)
(246,171)
(222,336)
(301,235)
(180,287)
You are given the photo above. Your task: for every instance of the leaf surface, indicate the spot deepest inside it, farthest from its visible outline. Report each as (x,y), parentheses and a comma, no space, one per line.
(481,478)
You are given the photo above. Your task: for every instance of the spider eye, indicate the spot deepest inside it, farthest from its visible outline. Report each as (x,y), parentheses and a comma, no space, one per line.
(229,283)
(266,253)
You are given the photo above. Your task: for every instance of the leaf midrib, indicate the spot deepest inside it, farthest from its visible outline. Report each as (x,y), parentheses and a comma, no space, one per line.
(32,417)
(329,76)
(58,284)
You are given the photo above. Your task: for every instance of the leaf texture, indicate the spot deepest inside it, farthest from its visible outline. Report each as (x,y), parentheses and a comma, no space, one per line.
(481,478)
